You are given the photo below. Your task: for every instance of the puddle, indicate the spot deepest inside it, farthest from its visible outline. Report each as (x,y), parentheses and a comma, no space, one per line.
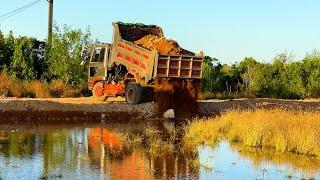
(227,161)
(96,151)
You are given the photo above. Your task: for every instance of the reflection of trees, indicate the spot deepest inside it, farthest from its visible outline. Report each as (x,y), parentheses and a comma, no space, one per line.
(95,151)
(53,151)
(133,160)
(63,150)
(17,144)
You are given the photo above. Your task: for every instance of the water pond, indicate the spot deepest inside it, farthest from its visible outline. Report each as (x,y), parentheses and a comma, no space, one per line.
(97,151)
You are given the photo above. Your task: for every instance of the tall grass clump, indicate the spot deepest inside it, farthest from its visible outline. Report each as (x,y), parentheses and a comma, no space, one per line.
(12,87)
(284,131)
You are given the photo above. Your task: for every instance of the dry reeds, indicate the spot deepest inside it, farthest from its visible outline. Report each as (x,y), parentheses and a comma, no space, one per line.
(284,131)
(11,87)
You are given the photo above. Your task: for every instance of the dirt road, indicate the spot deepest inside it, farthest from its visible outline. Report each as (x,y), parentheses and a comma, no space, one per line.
(218,106)
(117,107)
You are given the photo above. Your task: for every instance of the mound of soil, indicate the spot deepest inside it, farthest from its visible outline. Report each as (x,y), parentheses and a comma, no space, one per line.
(162,45)
(134,32)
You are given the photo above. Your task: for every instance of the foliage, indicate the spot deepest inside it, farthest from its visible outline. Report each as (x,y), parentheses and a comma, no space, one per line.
(25,59)
(311,74)
(6,50)
(65,55)
(27,62)
(283,78)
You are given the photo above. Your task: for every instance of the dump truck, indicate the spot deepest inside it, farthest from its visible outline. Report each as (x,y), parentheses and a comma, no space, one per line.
(126,69)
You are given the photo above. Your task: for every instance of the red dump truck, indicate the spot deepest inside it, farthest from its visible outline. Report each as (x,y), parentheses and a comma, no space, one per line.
(126,69)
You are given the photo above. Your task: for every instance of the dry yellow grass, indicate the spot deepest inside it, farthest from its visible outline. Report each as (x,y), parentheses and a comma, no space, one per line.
(10,87)
(40,90)
(285,131)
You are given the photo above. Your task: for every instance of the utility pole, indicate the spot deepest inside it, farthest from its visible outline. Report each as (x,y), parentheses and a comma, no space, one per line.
(50,21)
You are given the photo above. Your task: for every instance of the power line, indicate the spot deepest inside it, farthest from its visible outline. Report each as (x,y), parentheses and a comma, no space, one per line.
(19,9)
(16,11)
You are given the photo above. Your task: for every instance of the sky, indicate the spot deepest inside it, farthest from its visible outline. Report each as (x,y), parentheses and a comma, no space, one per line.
(228,30)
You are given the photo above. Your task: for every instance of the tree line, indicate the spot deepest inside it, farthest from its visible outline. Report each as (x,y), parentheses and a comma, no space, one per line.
(282,78)
(27,59)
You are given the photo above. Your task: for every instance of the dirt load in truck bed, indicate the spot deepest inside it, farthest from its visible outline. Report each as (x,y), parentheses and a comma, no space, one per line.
(162,45)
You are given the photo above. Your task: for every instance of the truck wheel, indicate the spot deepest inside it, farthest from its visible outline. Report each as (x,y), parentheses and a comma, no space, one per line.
(133,93)
(97,92)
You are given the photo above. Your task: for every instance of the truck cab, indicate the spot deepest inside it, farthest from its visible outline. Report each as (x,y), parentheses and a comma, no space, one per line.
(102,73)
(98,64)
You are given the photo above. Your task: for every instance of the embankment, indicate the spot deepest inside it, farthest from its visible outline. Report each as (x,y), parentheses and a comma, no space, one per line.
(116,108)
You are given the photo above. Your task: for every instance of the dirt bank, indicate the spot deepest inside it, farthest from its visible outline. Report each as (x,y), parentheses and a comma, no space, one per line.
(75,107)
(208,107)
(116,108)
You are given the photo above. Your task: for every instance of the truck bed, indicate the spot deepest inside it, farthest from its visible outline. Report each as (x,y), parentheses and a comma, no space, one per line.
(151,64)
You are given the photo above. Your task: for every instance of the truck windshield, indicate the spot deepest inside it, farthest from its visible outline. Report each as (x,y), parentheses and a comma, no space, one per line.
(98,55)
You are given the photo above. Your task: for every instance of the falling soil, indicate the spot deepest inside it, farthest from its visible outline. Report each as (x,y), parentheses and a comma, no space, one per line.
(180,95)
(162,45)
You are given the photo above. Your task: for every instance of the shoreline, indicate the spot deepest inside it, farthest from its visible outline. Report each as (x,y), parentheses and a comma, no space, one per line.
(116,108)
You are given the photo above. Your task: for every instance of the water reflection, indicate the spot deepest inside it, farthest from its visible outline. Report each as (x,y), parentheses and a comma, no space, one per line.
(97,151)
(238,162)
(82,153)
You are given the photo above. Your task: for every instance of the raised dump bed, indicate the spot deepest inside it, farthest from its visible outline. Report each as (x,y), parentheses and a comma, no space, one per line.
(152,63)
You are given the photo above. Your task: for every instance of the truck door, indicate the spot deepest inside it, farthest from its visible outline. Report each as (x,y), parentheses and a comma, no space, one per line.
(97,66)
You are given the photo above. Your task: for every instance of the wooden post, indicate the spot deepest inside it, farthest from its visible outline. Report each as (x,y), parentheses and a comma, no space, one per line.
(50,21)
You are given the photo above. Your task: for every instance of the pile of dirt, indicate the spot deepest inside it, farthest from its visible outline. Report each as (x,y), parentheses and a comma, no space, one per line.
(162,45)
(180,95)
(135,31)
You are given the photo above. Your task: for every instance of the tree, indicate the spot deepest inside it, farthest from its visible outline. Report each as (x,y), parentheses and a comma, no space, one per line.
(2,50)
(6,50)
(25,61)
(248,68)
(207,81)
(65,55)
(311,74)
(291,84)
(313,86)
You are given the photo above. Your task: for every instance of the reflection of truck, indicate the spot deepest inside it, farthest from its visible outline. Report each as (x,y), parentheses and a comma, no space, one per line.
(126,69)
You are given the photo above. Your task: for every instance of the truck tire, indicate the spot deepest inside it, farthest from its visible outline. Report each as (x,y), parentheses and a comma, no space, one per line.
(97,92)
(133,93)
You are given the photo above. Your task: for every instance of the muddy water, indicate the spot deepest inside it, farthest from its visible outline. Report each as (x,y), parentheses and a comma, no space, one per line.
(97,151)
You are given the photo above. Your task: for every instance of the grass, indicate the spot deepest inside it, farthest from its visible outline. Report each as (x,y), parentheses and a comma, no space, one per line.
(284,131)
(156,145)
(10,87)
(151,140)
